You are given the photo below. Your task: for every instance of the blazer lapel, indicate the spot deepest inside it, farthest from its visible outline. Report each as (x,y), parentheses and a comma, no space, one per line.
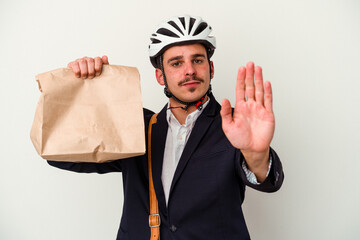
(158,139)
(199,130)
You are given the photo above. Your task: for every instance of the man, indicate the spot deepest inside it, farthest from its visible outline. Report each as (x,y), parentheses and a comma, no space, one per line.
(203,154)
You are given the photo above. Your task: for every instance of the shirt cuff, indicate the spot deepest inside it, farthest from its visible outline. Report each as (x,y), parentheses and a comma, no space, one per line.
(250,175)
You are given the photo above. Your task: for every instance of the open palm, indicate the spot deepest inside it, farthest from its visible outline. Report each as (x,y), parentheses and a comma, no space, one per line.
(250,127)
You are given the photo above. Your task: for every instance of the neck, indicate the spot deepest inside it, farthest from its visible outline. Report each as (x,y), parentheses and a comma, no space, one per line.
(181,114)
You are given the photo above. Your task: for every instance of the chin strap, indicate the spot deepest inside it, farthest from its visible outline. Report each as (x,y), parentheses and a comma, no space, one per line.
(198,104)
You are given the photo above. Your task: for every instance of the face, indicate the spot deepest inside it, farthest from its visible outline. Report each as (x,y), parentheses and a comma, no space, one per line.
(187,71)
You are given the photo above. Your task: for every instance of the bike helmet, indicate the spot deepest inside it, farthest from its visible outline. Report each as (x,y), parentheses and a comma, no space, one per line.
(180,30)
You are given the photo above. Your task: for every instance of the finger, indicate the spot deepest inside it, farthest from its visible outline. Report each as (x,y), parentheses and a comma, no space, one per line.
(249,81)
(259,88)
(83,68)
(91,67)
(105,59)
(98,66)
(75,67)
(240,85)
(268,103)
(226,113)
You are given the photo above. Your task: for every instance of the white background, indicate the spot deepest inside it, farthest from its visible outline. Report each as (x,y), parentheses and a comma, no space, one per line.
(308,49)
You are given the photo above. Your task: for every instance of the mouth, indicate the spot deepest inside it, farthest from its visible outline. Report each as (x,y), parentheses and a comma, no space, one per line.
(191,84)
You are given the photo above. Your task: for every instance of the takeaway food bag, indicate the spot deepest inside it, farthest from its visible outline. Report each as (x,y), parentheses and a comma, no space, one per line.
(89,120)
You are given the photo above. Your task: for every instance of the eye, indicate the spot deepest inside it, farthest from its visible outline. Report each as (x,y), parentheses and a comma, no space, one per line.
(198,61)
(176,64)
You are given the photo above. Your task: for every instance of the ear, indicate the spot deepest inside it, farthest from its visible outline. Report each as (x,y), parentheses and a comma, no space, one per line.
(159,76)
(212,70)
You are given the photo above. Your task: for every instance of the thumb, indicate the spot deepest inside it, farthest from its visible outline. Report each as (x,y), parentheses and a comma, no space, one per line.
(226,112)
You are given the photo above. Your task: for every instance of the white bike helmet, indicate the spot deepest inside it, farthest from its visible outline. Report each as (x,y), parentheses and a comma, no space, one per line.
(180,30)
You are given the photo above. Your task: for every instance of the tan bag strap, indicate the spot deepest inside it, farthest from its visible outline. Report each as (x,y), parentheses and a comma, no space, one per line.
(154,217)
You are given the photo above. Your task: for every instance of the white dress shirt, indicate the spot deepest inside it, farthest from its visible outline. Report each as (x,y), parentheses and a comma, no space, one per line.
(176,139)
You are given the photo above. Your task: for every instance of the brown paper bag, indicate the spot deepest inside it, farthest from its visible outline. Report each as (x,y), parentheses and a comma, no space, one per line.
(89,120)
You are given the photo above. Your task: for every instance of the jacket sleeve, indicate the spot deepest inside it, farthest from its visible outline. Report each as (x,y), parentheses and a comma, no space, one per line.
(113,166)
(107,167)
(273,181)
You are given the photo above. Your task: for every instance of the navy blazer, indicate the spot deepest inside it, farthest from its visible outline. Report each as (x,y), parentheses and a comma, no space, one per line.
(207,190)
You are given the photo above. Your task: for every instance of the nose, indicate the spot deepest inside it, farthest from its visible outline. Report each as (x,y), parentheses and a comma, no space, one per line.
(190,70)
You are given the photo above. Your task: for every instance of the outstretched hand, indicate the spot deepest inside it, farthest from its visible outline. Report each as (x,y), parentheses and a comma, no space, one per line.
(251,126)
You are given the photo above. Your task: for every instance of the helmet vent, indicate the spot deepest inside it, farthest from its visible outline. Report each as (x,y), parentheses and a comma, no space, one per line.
(172,23)
(200,28)
(182,20)
(192,21)
(167,32)
(154,40)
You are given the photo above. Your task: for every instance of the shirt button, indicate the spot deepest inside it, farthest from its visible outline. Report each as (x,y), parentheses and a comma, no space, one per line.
(173,228)
(180,138)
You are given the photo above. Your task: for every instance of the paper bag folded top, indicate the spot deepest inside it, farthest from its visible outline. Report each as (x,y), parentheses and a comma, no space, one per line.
(89,120)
